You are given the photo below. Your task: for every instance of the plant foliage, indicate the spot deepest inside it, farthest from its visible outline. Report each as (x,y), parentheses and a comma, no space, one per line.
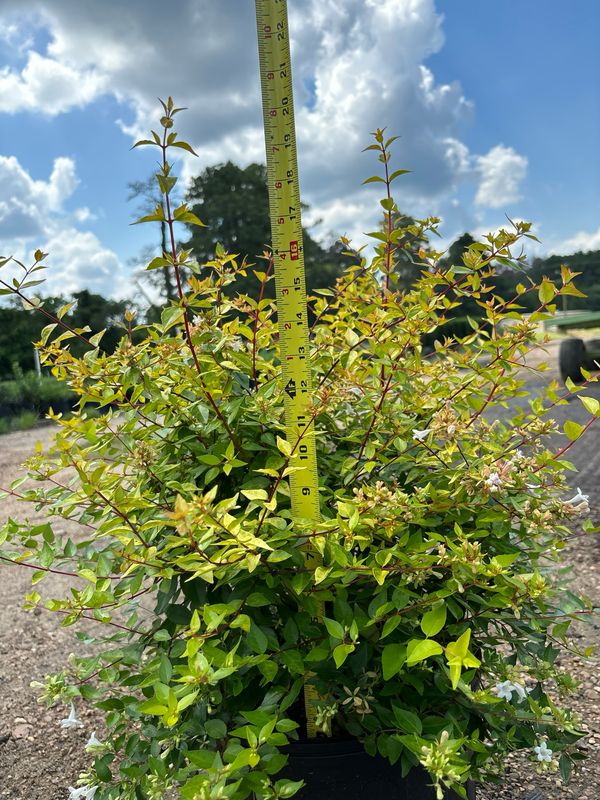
(443,517)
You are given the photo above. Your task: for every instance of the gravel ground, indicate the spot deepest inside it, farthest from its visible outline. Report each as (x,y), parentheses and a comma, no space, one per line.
(39,760)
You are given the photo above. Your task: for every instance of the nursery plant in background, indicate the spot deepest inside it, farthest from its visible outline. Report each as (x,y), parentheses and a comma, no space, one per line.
(443,516)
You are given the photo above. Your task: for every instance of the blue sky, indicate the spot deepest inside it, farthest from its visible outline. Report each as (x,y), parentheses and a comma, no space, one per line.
(532,70)
(496,103)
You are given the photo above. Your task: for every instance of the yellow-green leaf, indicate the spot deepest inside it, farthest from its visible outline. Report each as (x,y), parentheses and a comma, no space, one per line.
(420,649)
(433,621)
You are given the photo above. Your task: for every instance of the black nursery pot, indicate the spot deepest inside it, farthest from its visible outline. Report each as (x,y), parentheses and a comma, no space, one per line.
(342,770)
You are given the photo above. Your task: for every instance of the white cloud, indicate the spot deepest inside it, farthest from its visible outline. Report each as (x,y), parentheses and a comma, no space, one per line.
(77,259)
(47,86)
(358,65)
(32,215)
(25,203)
(582,241)
(501,172)
(84,214)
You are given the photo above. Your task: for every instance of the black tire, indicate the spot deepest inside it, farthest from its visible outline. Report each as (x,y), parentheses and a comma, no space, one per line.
(571,358)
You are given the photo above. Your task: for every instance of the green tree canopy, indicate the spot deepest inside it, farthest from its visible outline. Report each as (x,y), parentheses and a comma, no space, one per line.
(234,204)
(507,279)
(20,328)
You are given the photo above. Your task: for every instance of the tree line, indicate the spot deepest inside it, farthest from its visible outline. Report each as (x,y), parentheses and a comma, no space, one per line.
(233,202)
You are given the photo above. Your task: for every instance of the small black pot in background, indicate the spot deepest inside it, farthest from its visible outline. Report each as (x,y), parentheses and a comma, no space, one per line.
(342,770)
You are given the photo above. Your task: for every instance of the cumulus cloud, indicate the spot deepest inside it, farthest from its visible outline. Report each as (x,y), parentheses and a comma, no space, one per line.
(32,215)
(78,259)
(25,203)
(48,86)
(358,65)
(580,242)
(501,172)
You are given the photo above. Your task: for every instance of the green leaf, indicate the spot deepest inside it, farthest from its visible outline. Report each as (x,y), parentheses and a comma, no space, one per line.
(257,639)
(102,769)
(191,219)
(158,263)
(546,291)
(157,216)
(184,146)
(390,625)
(566,767)
(374,178)
(215,728)
(142,142)
(341,653)
(408,722)
(591,404)
(171,316)
(96,338)
(397,173)
(420,649)
(152,707)
(293,661)
(203,759)
(571,386)
(255,494)
(433,621)
(392,659)
(165,670)
(284,446)
(458,656)
(334,628)
(166,182)
(573,429)
(187,701)
(321,573)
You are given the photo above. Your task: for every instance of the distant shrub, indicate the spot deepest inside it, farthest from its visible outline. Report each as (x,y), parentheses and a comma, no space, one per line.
(24,421)
(30,393)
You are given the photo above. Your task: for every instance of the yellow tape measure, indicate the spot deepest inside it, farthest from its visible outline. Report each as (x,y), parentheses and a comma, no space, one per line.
(288,258)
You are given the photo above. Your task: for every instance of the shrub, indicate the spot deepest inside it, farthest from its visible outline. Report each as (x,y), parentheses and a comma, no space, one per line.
(442,516)
(28,392)
(24,421)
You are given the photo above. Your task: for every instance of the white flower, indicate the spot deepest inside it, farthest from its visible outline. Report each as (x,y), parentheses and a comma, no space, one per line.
(578,498)
(71,721)
(196,320)
(421,435)
(579,502)
(83,793)
(237,344)
(520,690)
(506,688)
(543,752)
(93,741)
(519,454)
(451,430)
(503,690)
(494,482)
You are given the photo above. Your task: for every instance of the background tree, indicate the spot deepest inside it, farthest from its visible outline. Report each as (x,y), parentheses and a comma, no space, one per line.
(507,279)
(234,204)
(19,328)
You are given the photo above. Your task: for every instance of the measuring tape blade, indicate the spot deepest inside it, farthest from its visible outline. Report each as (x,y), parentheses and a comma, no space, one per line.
(288,259)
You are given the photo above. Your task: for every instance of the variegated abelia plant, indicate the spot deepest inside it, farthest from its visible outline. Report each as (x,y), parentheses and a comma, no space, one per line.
(444,513)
